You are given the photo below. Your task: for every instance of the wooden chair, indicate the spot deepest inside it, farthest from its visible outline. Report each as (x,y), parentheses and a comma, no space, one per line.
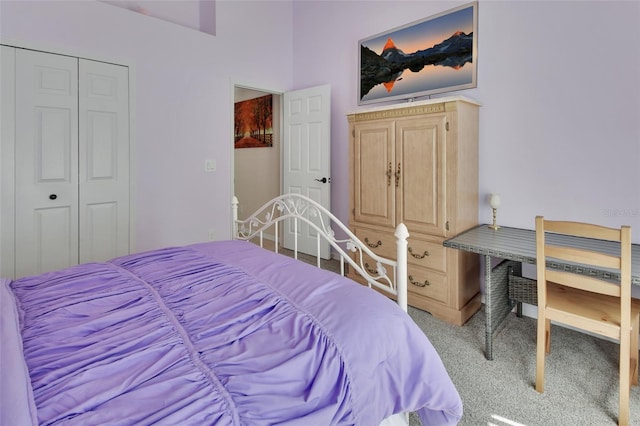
(588,302)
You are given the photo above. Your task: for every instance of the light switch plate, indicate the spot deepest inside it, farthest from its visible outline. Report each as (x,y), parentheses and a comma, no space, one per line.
(210,165)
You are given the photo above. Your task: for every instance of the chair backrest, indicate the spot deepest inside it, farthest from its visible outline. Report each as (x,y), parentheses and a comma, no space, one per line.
(594,248)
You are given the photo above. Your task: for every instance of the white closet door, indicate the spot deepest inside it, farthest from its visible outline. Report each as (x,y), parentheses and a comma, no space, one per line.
(7,160)
(46,162)
(65,173)
(104,160)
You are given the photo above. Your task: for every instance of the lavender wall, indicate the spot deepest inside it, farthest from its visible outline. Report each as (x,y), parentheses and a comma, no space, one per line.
(560,87)
(559,81)
(183,96)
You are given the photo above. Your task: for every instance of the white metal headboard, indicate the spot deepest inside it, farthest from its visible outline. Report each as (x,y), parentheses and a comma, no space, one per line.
(297,208)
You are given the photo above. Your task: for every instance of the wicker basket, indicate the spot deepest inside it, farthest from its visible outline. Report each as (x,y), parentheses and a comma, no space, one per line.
(522,289)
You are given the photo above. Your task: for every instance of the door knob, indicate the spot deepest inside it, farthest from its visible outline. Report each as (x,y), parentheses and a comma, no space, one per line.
(53,196)
(323,180)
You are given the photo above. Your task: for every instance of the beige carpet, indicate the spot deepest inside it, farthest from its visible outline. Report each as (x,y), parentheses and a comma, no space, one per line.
(581,386)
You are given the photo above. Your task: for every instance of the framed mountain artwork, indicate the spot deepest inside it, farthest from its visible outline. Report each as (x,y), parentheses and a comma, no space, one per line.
(437,54)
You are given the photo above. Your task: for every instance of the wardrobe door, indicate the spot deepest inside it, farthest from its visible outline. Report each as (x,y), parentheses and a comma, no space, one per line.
(421,152)
(46,162)
(104,161)
(373,175)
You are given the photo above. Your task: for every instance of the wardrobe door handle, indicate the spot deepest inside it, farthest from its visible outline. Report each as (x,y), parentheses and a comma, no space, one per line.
(53,196)
(389,174)
(398,175)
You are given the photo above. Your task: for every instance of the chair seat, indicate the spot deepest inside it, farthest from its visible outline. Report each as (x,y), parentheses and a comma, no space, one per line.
(576,306)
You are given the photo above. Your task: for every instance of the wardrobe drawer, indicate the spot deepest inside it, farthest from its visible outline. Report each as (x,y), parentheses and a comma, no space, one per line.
(428,283)
(420,252)
(427,254)
(381,243)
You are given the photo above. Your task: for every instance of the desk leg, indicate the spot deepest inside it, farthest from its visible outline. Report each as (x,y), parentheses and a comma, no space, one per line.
(488,305)
(496,299)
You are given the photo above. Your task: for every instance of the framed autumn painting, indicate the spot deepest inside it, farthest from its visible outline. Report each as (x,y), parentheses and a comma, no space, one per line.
(253,123)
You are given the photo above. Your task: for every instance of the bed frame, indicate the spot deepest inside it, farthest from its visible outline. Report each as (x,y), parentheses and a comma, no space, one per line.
(296,208)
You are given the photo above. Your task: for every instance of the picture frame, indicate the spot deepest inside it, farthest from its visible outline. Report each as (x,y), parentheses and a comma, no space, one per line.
(433,55)
(253,123)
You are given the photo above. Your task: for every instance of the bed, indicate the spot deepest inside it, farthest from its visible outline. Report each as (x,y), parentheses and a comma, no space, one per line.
(224,333)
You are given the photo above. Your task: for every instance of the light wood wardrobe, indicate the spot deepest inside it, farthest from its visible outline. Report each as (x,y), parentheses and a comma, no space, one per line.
(417,163)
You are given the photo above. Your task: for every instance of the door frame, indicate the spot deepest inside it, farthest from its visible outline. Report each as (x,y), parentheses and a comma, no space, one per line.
(7,146)
(281,94)
(279,123)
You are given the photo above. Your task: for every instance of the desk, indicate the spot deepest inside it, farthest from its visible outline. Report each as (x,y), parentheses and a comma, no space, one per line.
(519,246)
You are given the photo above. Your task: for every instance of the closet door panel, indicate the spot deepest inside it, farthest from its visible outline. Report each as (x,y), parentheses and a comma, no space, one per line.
(100,233)
(53,230)
(104,165)
(7,160)
(46,160)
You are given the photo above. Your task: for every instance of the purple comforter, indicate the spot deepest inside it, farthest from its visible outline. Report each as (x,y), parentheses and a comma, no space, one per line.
(223,333)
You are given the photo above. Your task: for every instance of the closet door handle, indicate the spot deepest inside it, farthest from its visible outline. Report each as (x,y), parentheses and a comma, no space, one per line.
(389,174)
(53,196)
(398,175)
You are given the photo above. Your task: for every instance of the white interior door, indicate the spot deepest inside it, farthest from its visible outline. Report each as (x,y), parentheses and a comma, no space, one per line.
(306,163)
(46,162)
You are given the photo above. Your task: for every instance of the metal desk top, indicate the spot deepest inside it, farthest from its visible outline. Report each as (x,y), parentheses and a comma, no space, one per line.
(520,245)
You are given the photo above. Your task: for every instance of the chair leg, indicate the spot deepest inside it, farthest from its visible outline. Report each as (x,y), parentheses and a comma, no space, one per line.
(635,329)
(623,414)
(541,346)
(625,362)
(547,340)
(623,418)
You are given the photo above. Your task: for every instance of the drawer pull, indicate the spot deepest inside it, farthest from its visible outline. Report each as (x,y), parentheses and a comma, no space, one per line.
(369,270)
(418,256)
(372,245)
(424,284)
